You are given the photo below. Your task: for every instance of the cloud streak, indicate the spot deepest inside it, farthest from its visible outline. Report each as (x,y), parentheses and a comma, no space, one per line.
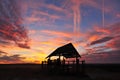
(2,52)
(11,59)
(103,57)
(76,16)
(105,39)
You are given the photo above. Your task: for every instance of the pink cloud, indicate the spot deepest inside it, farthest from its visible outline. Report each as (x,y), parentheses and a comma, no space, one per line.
(115,43)
(34,19)
(11,28)
(51,16)
(108,35)
(118,15)
(57,33)
(56,8)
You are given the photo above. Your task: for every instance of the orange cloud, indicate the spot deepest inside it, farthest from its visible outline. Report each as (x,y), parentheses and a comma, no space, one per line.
(93,38)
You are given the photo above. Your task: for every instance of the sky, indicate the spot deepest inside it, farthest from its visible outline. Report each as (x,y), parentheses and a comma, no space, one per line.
(32,29)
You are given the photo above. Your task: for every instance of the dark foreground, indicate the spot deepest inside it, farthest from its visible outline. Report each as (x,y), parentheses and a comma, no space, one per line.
(34,72)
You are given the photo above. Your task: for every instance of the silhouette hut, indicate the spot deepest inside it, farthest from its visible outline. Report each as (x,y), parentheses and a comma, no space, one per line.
(67,51)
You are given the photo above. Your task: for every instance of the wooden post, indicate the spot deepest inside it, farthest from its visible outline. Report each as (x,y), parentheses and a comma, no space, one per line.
(83,66)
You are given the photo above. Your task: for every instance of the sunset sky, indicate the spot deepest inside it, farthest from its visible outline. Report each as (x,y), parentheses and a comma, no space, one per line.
(31,29)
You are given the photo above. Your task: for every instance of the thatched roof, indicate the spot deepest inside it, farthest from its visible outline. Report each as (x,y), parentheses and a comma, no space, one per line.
(68,51)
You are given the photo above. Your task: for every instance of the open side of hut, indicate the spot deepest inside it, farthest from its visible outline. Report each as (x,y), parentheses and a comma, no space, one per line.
(67,51)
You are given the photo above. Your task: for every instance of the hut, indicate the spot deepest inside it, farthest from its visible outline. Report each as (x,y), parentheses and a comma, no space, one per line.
(67,51)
